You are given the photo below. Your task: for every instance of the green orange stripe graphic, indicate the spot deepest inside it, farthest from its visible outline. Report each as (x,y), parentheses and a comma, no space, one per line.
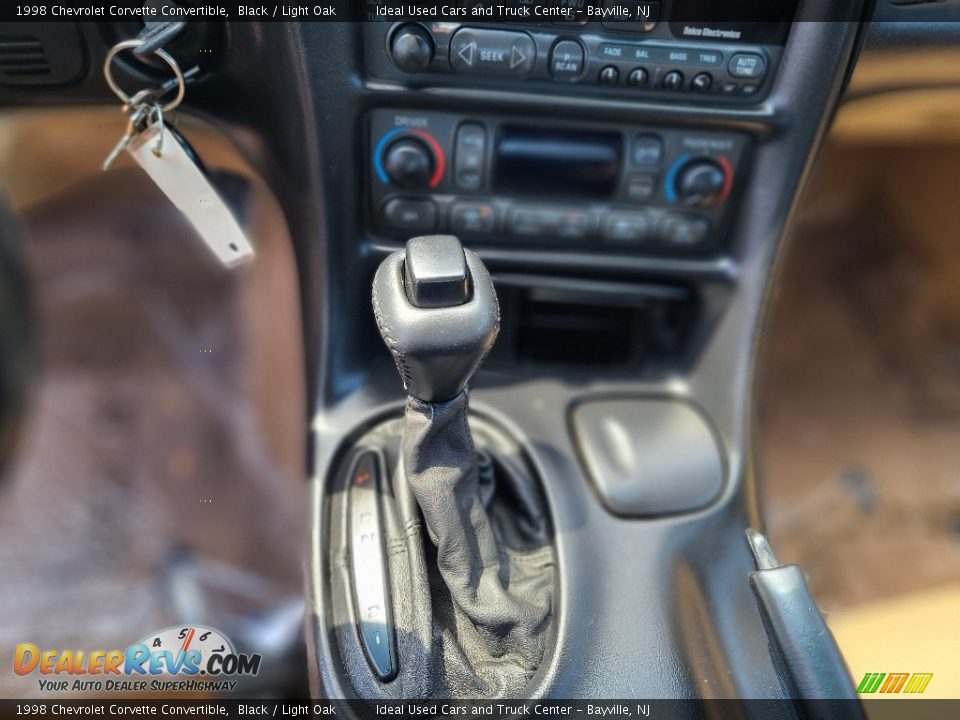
(914,683)
(870,682)
(894,682)
(918,682)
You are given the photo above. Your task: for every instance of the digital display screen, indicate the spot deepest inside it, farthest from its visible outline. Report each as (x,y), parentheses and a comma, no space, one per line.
(762,22)
(557,163)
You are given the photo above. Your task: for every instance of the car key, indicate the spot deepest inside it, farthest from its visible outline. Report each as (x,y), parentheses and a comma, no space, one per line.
(174,166)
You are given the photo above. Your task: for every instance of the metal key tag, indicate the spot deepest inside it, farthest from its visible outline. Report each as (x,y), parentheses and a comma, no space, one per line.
(176,173)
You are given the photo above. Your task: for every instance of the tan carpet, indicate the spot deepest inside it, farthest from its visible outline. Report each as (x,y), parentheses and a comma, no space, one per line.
(161,477)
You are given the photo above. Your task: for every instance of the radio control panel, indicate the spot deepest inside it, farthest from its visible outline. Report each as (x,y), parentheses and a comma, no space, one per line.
(518,182)
(635,60)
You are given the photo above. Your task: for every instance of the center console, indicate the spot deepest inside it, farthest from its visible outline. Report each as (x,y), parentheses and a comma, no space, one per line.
(625,181)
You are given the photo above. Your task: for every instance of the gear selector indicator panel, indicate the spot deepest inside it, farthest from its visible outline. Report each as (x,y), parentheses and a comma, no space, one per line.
(369,573)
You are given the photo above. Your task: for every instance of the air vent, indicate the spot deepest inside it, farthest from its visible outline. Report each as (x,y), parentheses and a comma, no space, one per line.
(22,56)
(38,53)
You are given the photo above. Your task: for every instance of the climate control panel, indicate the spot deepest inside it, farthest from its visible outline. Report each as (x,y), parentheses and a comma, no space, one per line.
(519,182)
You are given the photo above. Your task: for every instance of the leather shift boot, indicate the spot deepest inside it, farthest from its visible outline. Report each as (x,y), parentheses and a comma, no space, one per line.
(469,556)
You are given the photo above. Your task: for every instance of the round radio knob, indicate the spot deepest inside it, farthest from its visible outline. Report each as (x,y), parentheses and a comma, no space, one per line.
(409,163)
(411,48)
(700,182)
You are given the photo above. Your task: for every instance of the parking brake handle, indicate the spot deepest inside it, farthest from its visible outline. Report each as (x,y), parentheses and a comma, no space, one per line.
(804,648)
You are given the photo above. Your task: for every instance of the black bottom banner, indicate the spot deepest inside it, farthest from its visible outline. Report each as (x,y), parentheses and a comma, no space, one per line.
(873,709)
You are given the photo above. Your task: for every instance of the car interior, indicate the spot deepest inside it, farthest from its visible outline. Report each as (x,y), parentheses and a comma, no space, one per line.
(577,350)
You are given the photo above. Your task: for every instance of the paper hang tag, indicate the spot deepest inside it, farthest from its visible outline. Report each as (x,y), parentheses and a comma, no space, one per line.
(175,172)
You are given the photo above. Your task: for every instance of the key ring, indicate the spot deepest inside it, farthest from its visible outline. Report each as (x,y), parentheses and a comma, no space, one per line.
(162,54)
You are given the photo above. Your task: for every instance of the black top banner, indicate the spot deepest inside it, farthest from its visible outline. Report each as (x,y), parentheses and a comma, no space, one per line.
(513,11)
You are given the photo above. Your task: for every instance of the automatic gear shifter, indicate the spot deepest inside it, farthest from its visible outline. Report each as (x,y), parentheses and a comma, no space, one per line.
(473,604)
(437,312)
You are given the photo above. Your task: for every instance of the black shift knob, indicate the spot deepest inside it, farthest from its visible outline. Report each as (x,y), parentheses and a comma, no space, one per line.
(438,314)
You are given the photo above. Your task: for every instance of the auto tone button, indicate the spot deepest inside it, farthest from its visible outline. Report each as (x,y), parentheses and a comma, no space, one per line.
(747,65)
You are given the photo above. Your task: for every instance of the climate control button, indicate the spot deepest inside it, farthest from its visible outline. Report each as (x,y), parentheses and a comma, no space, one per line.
(475,218)
(681,232)
(699,181)
(469,154)
(409,163)
(409,158)
(627,227)
(411,215)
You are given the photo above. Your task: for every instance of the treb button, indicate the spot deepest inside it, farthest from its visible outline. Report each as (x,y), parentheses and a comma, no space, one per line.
(492,51)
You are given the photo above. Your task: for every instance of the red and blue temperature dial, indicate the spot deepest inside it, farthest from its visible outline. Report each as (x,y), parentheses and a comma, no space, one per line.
(409,158)
(698,181)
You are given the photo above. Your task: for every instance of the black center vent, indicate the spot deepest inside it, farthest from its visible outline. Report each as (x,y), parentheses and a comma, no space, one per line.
(34,53)
(22,56)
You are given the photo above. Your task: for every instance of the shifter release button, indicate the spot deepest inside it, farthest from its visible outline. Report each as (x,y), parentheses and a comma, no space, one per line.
(435,272)
(371,593)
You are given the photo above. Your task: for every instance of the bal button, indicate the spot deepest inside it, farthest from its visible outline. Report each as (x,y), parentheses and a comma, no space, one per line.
(637,77)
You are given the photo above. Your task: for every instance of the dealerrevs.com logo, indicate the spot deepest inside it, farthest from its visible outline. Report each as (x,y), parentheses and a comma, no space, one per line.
(177,659)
